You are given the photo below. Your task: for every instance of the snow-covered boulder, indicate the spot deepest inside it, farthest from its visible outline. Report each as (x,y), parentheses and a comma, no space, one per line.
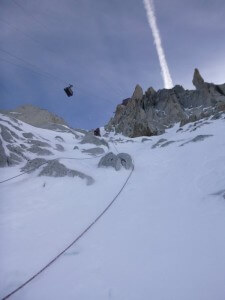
(116,161)
(110,160)
(55,169)
(125,160)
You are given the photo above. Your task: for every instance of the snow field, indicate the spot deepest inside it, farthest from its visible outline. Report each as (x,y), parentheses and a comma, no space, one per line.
(163,238)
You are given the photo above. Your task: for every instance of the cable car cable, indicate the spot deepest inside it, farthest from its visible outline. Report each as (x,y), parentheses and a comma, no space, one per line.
(27,35)
(29,15)
(118,94)
(32,65)
(27,68)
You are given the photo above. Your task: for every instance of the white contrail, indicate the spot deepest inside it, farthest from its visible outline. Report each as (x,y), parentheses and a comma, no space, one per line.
(149,7)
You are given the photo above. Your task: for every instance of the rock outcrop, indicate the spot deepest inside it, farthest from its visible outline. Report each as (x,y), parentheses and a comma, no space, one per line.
(17,146)
(94,151)
(116,161)
(152,112)
(90,138)
(53,168)
(36,117)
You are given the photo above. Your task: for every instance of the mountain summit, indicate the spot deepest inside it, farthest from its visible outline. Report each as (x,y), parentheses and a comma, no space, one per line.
(37,117)
(151,113)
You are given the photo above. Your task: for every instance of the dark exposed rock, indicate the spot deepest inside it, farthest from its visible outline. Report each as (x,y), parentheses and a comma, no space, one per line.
(8,134)
(38,143)
(19,151)
(125,101)
(11,124)
(59,147)
(94,151)
(198,138)
(198,81)
(145,140)
(199,125)
(187,120)
(56,169)
(53,168)
(201,137)
(154,112)
(217,115)
(28,135)
(159,143)
(39,151)
(33,165)
(167,144)
(89,138)
(59,138)
(13,159)
(23,146)
(3,156)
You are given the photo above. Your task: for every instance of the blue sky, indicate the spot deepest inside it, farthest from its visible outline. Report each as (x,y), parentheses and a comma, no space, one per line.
(104,48)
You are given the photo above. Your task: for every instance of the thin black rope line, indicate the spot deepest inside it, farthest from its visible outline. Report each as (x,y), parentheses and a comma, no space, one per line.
(114,146)
(27,172)
(71,244)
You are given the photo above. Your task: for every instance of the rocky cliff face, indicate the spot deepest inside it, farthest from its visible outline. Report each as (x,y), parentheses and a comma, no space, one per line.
(151,113)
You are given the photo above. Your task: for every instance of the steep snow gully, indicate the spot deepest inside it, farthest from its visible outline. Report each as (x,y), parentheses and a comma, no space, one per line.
(164,239)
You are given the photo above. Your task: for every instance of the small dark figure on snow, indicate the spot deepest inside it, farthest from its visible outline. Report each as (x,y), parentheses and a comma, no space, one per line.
(97,132)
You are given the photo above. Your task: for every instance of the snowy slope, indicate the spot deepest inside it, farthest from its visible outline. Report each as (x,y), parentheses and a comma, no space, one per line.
(163,238)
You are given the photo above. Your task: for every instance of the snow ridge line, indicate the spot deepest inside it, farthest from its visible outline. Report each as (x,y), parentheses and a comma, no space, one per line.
(76,240)
(46,163)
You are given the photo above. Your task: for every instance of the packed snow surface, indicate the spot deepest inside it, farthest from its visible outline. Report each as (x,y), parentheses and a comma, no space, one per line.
(163,238)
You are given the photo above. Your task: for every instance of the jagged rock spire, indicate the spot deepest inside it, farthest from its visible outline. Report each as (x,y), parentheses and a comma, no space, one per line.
(158,110)
(198,81)
(138,92)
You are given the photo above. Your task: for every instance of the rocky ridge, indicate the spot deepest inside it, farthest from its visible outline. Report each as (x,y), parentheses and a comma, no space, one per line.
(40,118)
(38,150)
(150,113)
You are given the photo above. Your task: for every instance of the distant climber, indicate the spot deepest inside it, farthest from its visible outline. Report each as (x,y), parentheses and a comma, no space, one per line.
(97,132)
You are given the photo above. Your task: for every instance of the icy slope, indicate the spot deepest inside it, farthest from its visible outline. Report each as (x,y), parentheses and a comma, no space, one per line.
(162,239)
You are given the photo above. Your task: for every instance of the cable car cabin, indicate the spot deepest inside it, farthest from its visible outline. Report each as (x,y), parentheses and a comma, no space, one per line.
(68,90)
